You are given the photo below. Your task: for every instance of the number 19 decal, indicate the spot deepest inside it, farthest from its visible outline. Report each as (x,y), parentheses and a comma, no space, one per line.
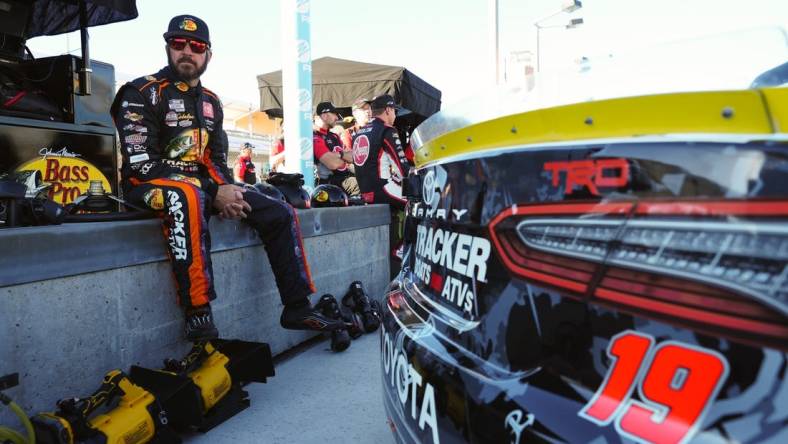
(676,382)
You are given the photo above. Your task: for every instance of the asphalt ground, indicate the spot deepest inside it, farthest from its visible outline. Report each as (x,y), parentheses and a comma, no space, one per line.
(316,396)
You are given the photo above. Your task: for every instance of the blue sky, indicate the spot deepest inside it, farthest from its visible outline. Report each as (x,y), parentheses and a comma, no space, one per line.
(445,42)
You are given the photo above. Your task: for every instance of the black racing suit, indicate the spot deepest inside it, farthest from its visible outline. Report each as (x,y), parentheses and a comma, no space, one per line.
(381,165)
(174,159)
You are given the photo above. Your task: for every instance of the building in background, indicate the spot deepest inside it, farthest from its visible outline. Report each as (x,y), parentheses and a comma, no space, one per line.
(519,68)
(243,123)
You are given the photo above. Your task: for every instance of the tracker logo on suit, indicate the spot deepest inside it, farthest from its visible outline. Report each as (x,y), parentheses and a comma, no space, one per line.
(177,234)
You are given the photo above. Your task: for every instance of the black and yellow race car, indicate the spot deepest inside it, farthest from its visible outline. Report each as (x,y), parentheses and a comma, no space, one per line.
(606,271)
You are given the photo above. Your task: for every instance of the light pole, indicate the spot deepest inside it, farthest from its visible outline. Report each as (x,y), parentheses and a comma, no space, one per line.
(492,7)
(569,6)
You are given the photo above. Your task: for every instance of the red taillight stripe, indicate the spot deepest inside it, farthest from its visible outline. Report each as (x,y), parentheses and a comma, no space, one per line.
(724,208)
(613,208)
(693,315)
(521,251)
(523,256)
(547,268)
(560,261)
(670,283)
(533,274)
(552,280)
(711,302)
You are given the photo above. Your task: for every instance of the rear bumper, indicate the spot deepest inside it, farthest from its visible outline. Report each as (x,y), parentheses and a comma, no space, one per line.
(436,391)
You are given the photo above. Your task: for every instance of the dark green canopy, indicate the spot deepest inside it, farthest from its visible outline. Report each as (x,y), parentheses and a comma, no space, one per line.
(341,82)
(30,19)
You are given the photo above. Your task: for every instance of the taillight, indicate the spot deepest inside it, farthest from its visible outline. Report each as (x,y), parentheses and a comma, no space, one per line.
(542,243)
(395,299)
(696,264)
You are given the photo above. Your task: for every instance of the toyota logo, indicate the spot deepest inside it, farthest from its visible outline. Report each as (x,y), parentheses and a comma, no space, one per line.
(432,186)
(428,188)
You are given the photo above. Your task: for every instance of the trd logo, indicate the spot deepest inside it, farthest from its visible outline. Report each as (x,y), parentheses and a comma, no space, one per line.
(591,174)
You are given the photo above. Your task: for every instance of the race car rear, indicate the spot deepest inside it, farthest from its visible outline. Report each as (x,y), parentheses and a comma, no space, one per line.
(610,271)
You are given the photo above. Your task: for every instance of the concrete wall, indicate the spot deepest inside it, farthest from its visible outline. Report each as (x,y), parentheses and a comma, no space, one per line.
(64,333)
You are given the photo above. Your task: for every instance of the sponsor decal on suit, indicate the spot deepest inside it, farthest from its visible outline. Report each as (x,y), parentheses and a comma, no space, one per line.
(360,150)
(207,109)
(177,238)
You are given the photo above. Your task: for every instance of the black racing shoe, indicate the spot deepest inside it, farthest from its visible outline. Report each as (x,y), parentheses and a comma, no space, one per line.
(357,300)
(340,338)
(199,324)
(307,317)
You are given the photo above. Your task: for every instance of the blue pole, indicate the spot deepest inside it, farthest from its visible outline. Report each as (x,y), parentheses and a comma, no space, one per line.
(297,89)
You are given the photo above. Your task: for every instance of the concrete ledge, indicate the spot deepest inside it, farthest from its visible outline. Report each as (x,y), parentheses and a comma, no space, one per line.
(63,334)
(31,254)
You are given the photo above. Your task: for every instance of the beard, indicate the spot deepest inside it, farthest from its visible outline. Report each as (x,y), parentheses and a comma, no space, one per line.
(187,69)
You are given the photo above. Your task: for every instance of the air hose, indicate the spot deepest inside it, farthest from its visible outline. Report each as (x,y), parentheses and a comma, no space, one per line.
(11,435)
(99,206)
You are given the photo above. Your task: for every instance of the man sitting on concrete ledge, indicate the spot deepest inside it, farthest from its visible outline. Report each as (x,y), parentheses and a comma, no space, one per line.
(175,162)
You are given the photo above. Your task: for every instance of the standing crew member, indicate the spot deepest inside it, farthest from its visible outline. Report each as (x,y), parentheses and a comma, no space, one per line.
(244,170)
(175,162)
(331,159)
(361,114)
(380,168)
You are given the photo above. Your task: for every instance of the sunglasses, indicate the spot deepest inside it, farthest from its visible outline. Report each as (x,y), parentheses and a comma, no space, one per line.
(179,44)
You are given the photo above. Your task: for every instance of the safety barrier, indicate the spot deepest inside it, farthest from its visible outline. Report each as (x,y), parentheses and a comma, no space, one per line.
(78,300)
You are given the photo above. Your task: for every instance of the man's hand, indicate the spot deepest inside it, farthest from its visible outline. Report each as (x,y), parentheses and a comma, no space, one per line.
(230,202)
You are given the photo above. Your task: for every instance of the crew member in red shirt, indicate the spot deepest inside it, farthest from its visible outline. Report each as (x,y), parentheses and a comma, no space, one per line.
(244,169)
(331,159)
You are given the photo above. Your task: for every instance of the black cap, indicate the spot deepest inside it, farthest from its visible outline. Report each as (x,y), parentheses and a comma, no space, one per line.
(188,26)
(383,101)
(326,107)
